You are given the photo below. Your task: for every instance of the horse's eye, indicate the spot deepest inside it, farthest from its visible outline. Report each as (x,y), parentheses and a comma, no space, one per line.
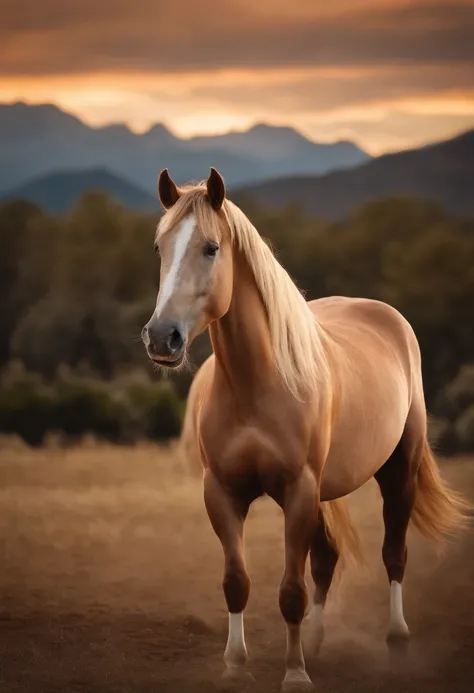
(156,248)
(210,249)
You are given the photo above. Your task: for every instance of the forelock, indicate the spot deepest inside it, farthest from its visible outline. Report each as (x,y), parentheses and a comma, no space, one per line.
(193,200)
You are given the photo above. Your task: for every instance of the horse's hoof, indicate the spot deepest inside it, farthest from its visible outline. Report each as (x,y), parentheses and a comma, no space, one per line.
(236,678)
(398,632)
(297,681)
(398,642)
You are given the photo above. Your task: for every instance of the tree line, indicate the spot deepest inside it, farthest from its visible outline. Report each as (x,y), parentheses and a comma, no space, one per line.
(76,290)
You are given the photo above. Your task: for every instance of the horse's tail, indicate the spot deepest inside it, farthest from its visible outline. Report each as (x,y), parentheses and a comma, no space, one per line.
(439,512)
(342,532)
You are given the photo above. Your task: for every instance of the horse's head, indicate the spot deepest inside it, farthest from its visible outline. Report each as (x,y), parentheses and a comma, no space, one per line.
(196,267)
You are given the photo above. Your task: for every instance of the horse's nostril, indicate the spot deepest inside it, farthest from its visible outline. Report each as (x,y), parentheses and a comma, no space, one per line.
(175,340)
(163,339)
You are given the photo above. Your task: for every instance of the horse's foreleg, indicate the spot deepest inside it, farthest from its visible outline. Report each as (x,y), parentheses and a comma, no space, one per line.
(323,558)
(300,507)
(227,515)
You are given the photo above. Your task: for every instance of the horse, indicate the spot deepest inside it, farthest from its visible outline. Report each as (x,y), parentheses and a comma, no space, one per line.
(302,401)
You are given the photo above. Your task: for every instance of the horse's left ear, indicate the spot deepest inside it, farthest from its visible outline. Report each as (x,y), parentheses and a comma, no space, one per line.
(215,189)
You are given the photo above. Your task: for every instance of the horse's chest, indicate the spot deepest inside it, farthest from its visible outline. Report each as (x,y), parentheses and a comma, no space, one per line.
(249,453)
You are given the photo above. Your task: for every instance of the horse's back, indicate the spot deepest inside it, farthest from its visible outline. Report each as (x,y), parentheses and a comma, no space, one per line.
(369,327)
(338,313)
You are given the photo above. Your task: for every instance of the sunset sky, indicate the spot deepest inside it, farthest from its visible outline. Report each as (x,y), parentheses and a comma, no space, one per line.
(387,74)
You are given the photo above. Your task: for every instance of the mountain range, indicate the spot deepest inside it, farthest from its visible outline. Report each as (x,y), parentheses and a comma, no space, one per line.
(40,140)
(55,158)
(443,171)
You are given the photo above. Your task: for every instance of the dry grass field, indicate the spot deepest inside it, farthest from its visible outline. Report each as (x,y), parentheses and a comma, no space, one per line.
(111,577)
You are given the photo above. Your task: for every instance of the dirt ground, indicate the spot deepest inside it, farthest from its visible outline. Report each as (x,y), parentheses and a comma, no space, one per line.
(111,576)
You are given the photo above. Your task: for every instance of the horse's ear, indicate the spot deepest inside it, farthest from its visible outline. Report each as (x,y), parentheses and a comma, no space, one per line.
(215,189)
(168,192)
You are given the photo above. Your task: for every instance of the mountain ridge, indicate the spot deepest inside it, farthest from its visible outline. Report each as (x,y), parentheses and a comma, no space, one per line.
(39,139)
(442,171)
(108,155)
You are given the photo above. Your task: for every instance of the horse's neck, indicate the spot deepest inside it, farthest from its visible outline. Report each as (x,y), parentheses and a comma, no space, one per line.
(241,338)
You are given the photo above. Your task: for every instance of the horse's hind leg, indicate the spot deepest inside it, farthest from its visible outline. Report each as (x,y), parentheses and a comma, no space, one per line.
(323,559)
(227,515)
(397,481)
(300,508)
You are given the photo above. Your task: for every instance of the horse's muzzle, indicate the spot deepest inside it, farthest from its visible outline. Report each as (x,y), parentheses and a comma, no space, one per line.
(165,342)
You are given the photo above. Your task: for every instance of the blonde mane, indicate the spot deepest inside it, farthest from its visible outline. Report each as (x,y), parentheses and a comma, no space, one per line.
(298,341)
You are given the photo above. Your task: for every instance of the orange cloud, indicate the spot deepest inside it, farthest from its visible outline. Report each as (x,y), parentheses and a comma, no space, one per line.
(360,68)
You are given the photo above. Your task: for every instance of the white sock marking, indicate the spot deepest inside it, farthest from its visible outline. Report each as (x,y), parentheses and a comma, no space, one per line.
(315,616)
(295,666)
(236,651)
(398,624)
(314,629)
(181,241)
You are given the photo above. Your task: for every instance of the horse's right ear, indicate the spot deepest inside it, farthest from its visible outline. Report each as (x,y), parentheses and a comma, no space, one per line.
(168,192)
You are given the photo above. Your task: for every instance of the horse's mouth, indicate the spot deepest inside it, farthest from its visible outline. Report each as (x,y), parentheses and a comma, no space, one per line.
(165,363)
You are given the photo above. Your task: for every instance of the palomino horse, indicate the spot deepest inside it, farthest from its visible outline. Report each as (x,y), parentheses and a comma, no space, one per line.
(304,402)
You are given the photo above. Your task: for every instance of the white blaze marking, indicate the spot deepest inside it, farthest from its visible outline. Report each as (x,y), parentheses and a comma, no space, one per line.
(181,241)
(236,651)
(397,620)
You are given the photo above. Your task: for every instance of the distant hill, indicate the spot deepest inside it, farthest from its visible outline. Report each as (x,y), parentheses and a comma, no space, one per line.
(57,192)
(443,171)
(39,140)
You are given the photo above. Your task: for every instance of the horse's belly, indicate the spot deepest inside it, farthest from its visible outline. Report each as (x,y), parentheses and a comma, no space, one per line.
(359,449)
